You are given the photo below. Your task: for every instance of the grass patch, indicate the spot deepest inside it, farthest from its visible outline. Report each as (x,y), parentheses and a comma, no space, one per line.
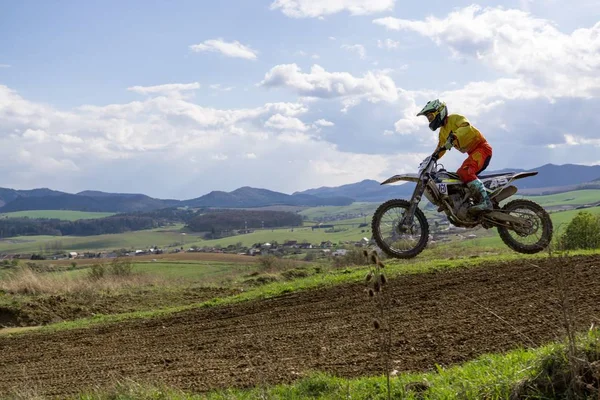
(573,198)
(65,215)
(163,237)
(99,277)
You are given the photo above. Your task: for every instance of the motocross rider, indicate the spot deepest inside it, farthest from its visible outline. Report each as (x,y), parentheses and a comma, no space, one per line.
(467,140)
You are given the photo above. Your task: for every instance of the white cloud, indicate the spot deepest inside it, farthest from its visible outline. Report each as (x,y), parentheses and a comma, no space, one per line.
(323,122)
(229,49)
(388,44)
(575,140)
(342,168)
(514,42)
(356,48)
(473,99)
(69,139)
(289,109)
(221,88)
(282,122)
(349,102)
(294,138)
(4,65)
(112,145)
(319,8)
(37,135)
(170,89)
(373,87)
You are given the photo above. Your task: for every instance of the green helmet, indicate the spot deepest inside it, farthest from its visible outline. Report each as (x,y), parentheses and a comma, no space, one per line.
(439,111)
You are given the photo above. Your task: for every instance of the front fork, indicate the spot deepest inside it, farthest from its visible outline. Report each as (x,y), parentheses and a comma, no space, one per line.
(409,216)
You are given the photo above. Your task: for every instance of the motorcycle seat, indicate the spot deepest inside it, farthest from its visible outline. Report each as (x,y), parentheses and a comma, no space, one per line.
(454,175)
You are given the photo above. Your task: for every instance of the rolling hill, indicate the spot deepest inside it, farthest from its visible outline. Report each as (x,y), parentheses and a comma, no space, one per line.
(551,179)
(252,197)
(245,197)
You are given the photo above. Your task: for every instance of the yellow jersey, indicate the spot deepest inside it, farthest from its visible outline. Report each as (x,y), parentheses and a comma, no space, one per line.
(467,136)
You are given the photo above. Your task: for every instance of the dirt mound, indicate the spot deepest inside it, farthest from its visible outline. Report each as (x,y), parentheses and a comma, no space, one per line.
(8,317)
(43,310)
(438,318)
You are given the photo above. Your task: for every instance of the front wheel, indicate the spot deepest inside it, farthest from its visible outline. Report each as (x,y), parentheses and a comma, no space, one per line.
(532,238)
(390,238)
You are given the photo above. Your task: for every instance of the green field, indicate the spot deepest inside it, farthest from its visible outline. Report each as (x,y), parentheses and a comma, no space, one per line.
(162,237)
(349,233)
(57,214)
(574,198)
(206,272)
(333,211)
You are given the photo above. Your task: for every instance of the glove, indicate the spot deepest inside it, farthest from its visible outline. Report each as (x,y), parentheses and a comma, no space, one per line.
(449,143)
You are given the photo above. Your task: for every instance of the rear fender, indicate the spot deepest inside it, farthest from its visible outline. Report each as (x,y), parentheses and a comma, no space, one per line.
(504,193)
(497,184)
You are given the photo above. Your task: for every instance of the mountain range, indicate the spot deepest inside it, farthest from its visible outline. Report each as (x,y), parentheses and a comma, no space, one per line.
(550,179)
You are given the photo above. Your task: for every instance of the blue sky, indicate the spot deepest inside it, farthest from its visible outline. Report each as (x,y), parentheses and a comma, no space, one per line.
(176,99)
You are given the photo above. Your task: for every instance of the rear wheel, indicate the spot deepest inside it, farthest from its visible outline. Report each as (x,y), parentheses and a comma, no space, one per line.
(388,235)
(535,236)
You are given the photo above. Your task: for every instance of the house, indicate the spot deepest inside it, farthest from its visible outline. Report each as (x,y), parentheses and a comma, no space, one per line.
(339,252)
(109,255)
(254,252)
(72,254)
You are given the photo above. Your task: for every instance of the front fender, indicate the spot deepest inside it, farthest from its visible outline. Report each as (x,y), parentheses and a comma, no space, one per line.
(404,177)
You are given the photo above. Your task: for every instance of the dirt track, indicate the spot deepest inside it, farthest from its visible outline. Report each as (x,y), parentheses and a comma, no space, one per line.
(443,318)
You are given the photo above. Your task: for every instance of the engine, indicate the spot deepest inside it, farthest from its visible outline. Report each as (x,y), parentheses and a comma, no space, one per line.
(461,202)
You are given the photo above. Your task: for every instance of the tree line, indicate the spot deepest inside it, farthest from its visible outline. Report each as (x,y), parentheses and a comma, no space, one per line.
(229,220)
(10,227)
(202,220)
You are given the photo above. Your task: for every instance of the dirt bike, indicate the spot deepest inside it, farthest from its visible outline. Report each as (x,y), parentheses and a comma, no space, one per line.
(401,230)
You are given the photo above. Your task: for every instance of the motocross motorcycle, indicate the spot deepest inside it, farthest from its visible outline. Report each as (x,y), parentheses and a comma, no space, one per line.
(401,230)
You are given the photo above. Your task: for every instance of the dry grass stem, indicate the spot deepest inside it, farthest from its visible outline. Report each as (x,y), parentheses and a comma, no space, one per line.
(27,281)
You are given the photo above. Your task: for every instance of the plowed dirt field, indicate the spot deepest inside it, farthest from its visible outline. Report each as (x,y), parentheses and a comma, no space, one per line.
(438,318)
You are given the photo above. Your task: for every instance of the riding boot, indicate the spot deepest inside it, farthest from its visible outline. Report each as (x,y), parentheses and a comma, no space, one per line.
(476,186)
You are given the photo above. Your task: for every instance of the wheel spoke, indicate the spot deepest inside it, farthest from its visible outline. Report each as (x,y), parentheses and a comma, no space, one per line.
(390,232)
(530,235)
(534,235)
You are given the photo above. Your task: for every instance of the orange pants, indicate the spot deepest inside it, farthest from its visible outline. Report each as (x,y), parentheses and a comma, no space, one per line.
(478,160)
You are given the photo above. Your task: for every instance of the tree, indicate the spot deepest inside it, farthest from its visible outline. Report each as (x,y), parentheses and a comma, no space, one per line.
(583,232)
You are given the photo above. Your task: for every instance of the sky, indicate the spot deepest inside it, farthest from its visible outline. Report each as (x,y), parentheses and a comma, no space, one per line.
(175,99)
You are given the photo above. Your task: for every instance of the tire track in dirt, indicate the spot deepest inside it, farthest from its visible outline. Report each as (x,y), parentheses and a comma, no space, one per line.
(438,318)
